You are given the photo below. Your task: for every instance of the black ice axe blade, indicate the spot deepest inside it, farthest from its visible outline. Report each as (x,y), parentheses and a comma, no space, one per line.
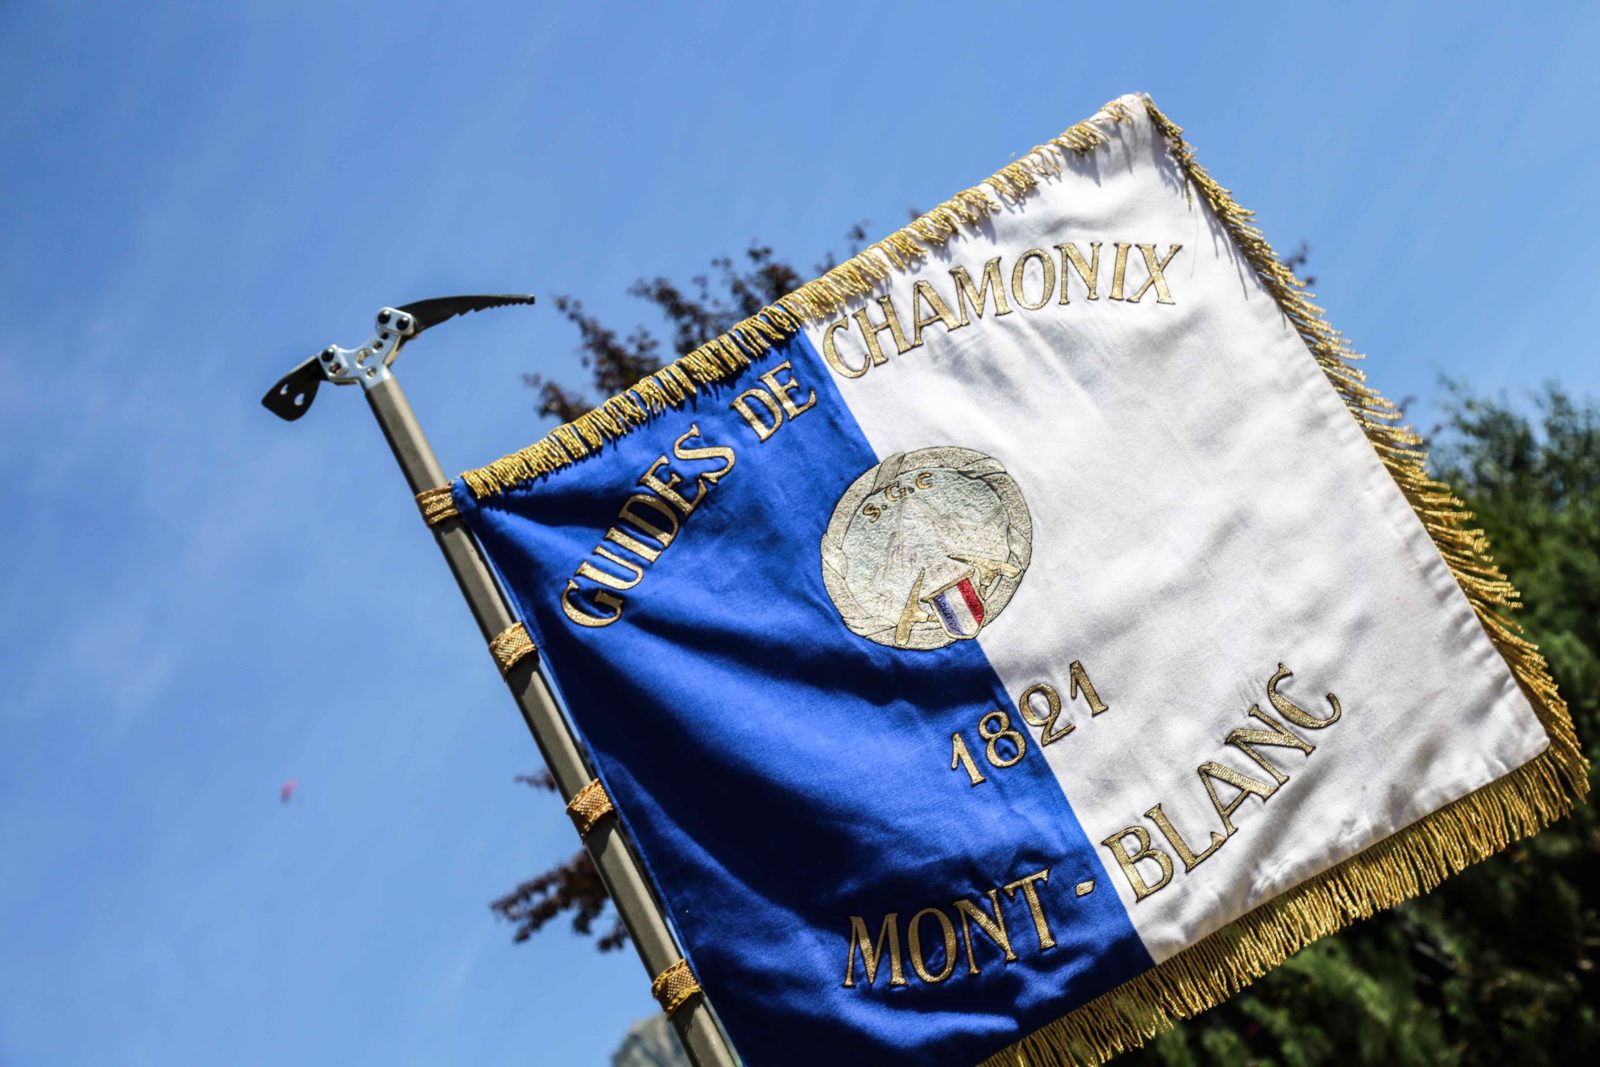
(292,396)
(441,308)
(368,365)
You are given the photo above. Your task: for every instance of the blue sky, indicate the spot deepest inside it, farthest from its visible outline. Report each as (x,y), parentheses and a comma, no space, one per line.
(199,602)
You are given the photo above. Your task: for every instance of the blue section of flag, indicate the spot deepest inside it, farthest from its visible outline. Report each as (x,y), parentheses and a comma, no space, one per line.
(780,774)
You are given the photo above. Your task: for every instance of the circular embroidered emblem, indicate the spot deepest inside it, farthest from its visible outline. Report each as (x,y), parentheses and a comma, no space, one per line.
(927,547)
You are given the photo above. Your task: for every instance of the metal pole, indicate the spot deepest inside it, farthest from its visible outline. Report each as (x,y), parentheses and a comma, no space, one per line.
(619,869)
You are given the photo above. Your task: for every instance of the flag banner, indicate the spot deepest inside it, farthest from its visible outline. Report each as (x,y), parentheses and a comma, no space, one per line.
(1027,633)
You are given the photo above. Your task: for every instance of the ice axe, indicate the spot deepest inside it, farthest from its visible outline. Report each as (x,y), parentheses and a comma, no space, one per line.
(369,364)
(508,640)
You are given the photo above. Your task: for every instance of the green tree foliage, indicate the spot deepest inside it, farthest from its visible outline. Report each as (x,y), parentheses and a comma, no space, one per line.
(1496,966)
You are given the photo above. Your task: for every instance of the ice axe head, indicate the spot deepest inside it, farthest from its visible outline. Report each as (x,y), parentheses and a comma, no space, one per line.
(368,365)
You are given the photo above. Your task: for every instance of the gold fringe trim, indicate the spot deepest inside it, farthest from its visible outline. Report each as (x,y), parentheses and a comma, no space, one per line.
(437,505)
(1465,550)
(1402,866)
(813,302)
(1406,864)
(588,806)
(674,986)
(1417,858)
(511,646)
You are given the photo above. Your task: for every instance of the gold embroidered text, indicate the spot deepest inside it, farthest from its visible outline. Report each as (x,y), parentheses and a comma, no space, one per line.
(930,943)
(646,525)
(765,406)
(1247,740)
(856,343)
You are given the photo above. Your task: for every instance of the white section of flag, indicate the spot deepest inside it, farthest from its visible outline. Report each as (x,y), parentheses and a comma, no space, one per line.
(1204,507)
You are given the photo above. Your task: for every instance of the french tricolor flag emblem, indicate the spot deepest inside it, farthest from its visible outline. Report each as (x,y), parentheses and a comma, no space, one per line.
(959,607)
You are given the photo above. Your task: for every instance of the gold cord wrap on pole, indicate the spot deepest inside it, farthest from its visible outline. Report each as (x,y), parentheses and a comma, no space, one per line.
(510,646)
(674,986)
(437,505)
(619,869)
(589,806)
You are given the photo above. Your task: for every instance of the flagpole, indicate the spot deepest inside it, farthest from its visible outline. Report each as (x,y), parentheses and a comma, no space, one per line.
(619,868)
